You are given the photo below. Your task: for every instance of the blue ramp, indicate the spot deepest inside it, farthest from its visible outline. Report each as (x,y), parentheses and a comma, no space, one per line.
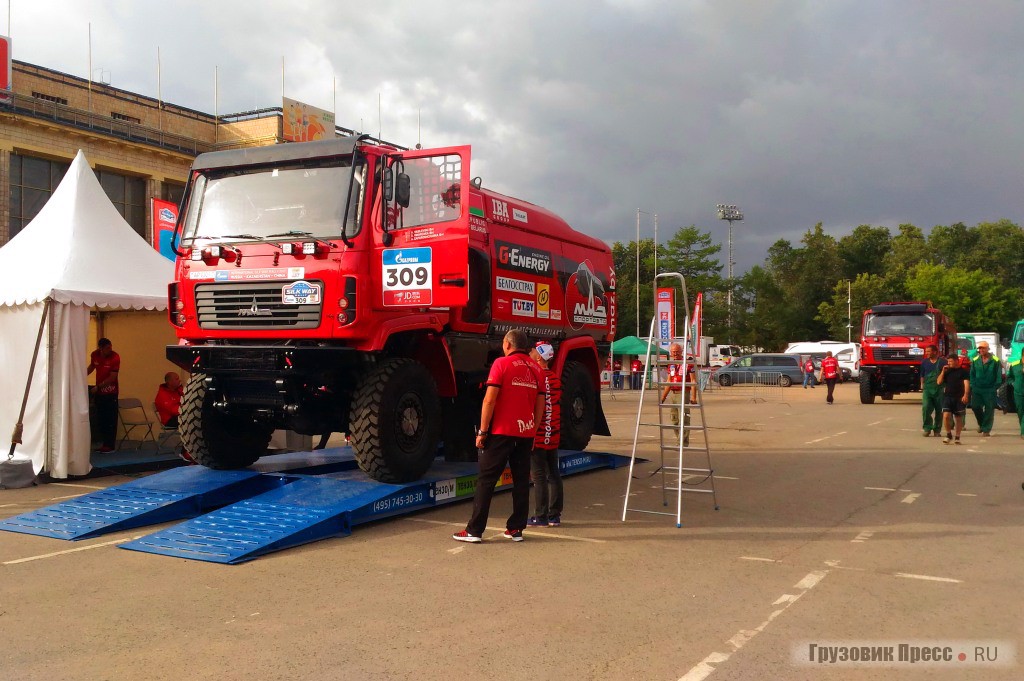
(171,495)
(306,510)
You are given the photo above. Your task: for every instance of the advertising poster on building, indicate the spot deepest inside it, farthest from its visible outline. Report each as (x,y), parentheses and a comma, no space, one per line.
(5,69)
(165,216)
(305,123)
(666,312)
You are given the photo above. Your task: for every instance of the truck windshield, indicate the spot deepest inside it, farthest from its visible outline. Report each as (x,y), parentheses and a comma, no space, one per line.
(267,201)
(899,325)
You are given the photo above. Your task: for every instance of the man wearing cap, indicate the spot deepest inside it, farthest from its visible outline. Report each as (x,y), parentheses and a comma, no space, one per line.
(671,393)
(513,405)
(547,481)
(986,375)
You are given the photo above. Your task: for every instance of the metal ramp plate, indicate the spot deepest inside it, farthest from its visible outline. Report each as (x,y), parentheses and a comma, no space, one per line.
(314,508)
(171,495)
(306,510)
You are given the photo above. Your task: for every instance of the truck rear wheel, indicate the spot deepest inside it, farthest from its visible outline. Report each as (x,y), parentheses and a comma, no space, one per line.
(395,421)
(579,406)
(213,438)
(867,396)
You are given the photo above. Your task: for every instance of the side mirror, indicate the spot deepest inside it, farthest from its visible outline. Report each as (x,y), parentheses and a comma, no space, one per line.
(403,190)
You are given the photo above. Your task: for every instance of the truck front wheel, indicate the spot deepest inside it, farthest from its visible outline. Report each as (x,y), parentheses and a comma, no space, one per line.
(867,395)
(213,438)
(579,406)
(395,421)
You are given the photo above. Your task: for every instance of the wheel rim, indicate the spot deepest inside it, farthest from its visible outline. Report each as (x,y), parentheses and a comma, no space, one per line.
(409,426)
(577,409)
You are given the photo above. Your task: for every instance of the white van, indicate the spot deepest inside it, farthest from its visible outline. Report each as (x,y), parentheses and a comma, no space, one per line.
(848,354)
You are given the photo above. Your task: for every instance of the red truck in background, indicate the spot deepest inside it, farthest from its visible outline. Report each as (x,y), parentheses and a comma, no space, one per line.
(351,286)
(893,339)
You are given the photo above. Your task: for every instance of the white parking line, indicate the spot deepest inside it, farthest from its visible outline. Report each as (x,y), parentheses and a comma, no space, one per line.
(61,553)
(965,494)
(929,578)
(880,422)
(910,498)
(765,560)
(705,667)
(827,437)
(862,537)
(69,484)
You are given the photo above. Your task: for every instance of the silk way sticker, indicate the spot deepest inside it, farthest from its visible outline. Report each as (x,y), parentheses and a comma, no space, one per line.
(300,293)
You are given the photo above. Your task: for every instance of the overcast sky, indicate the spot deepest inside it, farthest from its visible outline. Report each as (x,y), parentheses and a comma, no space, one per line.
(869,112)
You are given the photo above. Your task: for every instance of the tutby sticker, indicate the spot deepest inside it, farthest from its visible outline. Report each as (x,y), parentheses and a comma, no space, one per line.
(300,293)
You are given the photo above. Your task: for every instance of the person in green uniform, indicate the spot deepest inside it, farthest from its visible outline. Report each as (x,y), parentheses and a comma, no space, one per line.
(986,375)
(1016,377)
(931,392)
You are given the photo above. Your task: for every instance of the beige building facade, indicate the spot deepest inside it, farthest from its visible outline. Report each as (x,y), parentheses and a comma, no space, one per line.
(141,148)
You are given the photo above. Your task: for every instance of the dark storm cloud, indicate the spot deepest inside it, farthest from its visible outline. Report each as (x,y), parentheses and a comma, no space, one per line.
(841,112)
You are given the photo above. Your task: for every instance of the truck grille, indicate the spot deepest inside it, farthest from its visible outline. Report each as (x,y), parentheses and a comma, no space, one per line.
(252,306)
(893,354)
(244,359)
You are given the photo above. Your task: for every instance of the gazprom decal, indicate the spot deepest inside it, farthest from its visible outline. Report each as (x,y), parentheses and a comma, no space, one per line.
(301,293)
(407,276)
(167,215)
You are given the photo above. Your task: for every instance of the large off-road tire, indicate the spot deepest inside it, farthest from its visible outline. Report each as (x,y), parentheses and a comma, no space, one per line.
(725,380)
(579,406)
(213,438)
(785,381)
(395,421)
(866,394)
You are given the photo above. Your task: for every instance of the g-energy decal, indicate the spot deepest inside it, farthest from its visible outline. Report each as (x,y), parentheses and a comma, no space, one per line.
(523,259)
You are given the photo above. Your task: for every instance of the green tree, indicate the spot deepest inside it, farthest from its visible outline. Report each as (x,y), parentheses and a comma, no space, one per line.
(864,291)
(864,251)
(974,299)
(908,248)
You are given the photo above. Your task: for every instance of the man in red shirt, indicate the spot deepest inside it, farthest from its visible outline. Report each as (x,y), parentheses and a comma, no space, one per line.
(547,480)
(168,400)
(107,364)
(635,379)
(513,405)
(829,373)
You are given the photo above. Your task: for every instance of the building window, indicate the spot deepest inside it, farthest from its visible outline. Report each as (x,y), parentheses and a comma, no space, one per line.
(124,117)
(128,194)
(172,191)
(32,182)
(50,98)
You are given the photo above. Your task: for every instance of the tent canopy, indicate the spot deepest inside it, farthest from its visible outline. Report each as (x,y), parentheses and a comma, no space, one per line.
(631,345)
(79,250)
(78,253)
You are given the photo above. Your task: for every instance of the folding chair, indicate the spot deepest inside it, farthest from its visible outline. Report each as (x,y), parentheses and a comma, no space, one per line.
(167,434)
(133,416)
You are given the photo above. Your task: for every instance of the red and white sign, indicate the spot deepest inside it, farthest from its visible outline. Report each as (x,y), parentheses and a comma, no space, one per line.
(5,69)
(165,216)
(666,312)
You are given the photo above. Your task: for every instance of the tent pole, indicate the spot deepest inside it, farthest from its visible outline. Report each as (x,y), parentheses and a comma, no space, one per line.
(20,426)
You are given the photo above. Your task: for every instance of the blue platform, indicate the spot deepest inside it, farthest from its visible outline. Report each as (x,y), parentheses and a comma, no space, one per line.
(171,495)
(258,513)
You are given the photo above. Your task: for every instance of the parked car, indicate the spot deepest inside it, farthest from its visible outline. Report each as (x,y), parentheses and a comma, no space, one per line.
(848,354)
(750,368)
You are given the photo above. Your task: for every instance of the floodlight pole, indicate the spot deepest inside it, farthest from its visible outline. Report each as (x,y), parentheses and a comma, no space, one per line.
(729,213)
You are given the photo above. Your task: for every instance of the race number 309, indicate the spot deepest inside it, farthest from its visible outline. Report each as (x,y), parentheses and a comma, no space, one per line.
(407,276)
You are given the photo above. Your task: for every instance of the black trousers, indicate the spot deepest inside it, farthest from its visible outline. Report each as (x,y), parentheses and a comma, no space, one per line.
(831,383)
(106,419)
(501,451)
(547,483)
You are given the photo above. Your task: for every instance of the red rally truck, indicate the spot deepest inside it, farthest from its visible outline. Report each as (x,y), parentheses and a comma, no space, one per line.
(346,285)
(892,344)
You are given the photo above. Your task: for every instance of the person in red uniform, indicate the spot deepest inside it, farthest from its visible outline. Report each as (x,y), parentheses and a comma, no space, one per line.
(168,400)
(637,370)
(830,374)
(107,364)
(513,405)
(547,481)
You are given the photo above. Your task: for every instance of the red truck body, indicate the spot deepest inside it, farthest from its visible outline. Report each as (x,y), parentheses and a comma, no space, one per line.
(384,329)
(893,341)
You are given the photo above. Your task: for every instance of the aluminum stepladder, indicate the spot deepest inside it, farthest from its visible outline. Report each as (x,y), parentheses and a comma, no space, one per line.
(671,437)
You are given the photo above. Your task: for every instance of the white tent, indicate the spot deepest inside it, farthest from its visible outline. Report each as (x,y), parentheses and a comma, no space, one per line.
(76,255)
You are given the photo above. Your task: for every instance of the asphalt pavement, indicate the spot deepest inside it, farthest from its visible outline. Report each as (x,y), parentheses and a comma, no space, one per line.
(842,532)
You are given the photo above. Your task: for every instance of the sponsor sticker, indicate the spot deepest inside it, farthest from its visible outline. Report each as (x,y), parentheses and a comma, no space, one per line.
(519,215)
(444,489)
(522,307)
(543,301)
(301,293)
(523,259)
(259,274)
(515,285)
